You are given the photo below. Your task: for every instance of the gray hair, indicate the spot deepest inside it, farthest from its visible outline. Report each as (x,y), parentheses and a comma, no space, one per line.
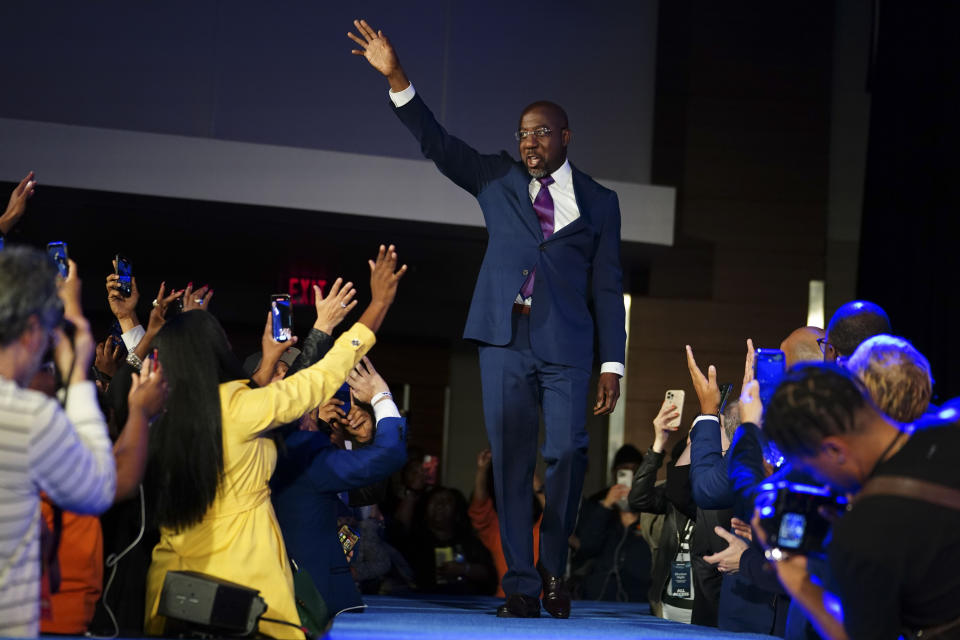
(28,287)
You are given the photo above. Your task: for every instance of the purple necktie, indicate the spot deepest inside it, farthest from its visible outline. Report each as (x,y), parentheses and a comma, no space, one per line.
(543,205)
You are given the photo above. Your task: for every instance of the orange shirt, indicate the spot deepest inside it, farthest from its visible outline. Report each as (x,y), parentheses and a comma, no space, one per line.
(485,521)
(81,572)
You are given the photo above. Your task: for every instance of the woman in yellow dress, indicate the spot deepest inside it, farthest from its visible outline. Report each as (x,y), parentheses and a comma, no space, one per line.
(211,455)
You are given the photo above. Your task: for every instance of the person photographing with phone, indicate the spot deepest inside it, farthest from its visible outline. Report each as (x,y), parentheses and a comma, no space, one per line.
(211,456)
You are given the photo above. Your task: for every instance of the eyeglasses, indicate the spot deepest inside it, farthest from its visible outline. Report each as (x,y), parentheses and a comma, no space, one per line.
(823,344)
(542,132)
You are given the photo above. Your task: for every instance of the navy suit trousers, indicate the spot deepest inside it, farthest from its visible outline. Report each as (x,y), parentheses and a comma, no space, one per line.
(517,385)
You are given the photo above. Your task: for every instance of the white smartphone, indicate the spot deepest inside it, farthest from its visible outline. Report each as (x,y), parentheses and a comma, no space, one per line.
(624,477)
(675,396)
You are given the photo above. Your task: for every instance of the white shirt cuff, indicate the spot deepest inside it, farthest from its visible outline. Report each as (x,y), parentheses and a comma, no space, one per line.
(704,417)
(385,408)
(613,367)
(133,337)
(401,98)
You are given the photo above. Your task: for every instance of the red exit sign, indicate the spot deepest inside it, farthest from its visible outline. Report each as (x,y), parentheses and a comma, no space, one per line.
(301,289)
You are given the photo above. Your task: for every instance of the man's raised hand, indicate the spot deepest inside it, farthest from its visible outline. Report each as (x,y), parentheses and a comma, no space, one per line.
(376,48)
(335,307)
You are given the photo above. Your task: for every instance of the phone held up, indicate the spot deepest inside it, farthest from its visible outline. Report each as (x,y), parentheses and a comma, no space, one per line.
(769,365)
(675,397)
(282,314)
(58,253)
(124,271)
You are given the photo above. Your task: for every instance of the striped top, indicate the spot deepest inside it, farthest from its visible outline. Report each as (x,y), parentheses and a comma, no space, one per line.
(66,453)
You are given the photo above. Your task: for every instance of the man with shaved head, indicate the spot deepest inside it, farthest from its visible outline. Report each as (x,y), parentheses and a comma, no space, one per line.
(802,345)
(551,274)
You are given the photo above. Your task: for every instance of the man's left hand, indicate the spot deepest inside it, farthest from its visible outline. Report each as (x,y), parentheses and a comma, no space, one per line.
(608,392)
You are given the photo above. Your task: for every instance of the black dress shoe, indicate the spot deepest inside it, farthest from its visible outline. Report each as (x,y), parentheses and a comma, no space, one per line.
(520,606)
(556,597)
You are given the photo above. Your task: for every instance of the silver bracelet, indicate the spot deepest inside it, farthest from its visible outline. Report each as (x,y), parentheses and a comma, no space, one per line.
(134,360)
(380,396)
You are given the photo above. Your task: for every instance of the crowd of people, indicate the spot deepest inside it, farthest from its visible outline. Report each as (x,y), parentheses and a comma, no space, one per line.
(282,477)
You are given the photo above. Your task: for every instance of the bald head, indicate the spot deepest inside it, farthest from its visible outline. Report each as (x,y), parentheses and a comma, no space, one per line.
(551,109)
(801,346)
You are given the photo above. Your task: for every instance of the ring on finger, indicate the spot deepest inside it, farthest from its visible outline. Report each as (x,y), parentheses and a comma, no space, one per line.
(343,305)
(155,303)
(198,300)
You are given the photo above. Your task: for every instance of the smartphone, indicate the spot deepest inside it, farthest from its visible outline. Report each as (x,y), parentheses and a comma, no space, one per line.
(282,314)
(769,366)
(343,395)
(125,272)
(58,253)
(624,477)
(725,390)
(430,466)
(348,538)
(675,396)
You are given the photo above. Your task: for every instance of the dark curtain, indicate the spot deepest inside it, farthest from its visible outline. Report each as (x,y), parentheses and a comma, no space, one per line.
(910,245)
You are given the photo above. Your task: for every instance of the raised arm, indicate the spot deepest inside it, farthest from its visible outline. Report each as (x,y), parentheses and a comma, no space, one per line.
(457,160)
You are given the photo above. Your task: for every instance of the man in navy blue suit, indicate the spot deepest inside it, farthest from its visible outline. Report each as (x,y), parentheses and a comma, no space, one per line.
(553,252)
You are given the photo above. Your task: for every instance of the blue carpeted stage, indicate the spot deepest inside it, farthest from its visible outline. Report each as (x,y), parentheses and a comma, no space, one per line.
(444,618)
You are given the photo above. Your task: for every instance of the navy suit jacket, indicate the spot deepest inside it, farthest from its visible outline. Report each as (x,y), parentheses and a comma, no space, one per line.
(708,467)
(305,487)
(577,266)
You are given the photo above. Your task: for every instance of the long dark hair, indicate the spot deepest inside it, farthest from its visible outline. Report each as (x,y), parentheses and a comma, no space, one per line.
(185,459)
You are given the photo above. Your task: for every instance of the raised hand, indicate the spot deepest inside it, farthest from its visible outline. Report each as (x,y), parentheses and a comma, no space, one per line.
(73,357)
(748,364)
(108,357)
(271,350)
(751,408)
(359,425)
(384,278)
(123,308)
(197,298)
(148,390)
(376,48)
(365,382)
(615,494)
(484,458)
(706,386)
(661,432)
(331,411)
(334,308)
(17,205)
(384,275)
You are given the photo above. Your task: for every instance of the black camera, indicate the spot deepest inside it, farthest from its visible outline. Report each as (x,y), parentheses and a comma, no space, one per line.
(790,513)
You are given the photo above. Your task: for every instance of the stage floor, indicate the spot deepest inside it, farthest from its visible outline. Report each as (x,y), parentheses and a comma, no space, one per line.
(443,618)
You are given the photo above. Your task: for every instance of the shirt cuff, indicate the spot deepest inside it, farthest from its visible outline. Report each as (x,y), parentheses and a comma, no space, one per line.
(133,337)
(401,98)
(385,408)
(613,367)
(704,417)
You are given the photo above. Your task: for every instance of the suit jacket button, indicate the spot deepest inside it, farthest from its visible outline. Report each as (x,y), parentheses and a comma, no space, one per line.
(525,272)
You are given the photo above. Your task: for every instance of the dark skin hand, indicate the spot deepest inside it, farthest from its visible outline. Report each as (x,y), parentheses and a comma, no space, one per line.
(608,392)
(376,48)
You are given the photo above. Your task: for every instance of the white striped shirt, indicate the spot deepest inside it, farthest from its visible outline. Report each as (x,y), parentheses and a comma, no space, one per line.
(67,454)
